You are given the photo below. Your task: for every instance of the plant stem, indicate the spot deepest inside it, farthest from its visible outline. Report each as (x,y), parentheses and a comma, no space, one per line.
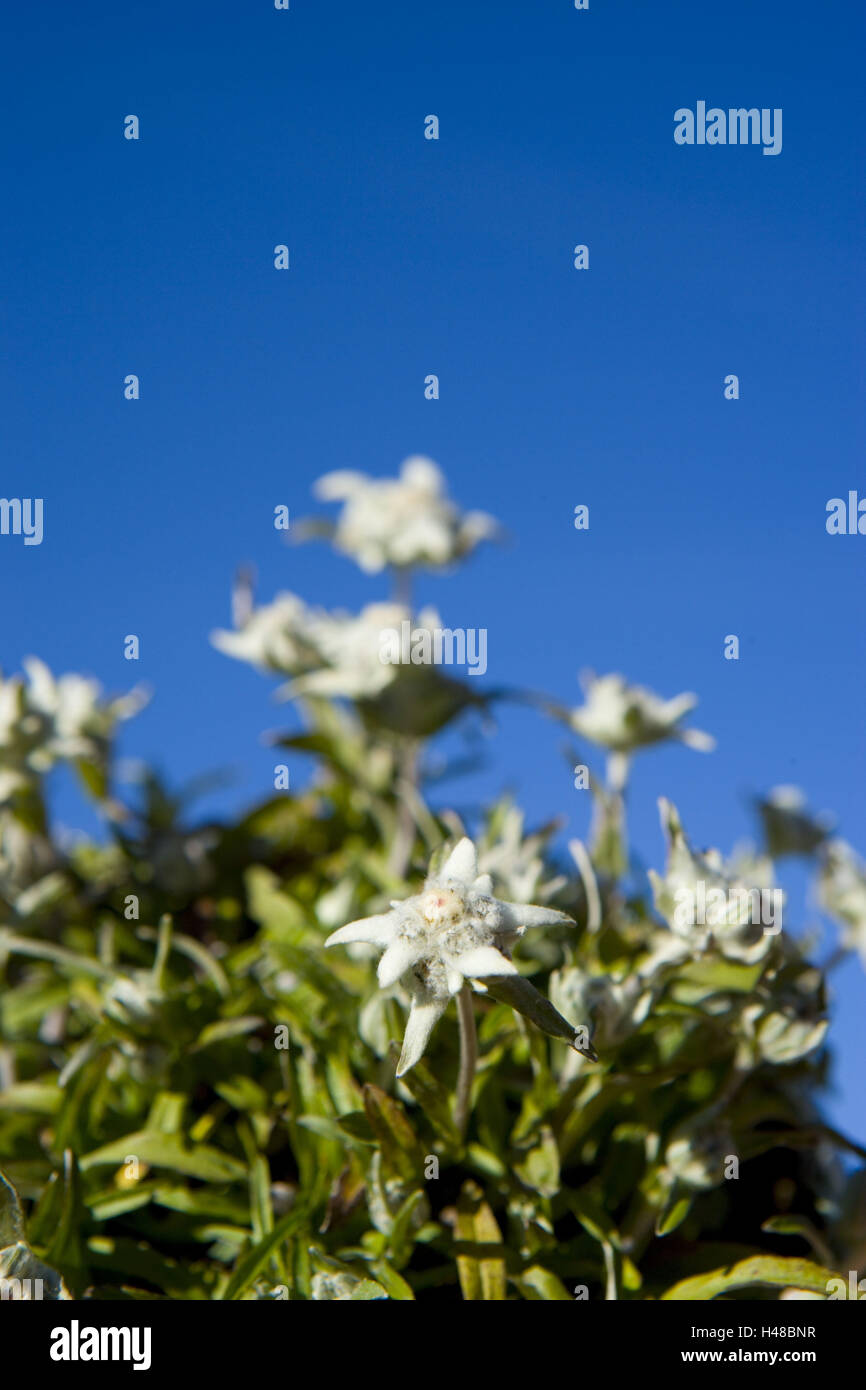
(840,954)
(402,585)
(468,1059)
(406,785)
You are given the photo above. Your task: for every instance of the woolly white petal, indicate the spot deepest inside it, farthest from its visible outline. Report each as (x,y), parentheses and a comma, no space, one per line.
(484,961)
(43,688)
(422,1020)
(696,738)
(517,915)
(462,862)
(484,884)
(422,474)
(377,930)
(342,483)
(674,709)
(395,962)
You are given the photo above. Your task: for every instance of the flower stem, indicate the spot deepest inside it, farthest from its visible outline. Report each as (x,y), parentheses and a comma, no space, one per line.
(402,585)
(468,1059)
(406,785)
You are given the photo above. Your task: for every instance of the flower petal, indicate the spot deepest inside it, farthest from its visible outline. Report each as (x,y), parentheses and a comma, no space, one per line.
(423,1018)
(336,486)
(484,884)
(696,738)
(399,956)
(517,915)
(462,862)
(376,930)
(484,961)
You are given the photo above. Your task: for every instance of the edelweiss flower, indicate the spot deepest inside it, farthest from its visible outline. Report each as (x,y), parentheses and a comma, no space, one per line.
(46,719)
(842,893)
(514,860)
(350,656)
(401,522)
(696,1157)
(619,1006)
(352,663)
(453,931)
(623,717)
(79,721)
(335,654)
(779,1036)
(277,636)
(707,902)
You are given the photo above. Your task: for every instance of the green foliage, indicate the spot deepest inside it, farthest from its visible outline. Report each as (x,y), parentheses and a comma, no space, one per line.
(199,1102)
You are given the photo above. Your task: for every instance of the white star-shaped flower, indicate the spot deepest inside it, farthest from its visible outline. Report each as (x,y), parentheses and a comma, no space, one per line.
(452,931)
(402,521)
(842,893)
(623,717)
(735,921)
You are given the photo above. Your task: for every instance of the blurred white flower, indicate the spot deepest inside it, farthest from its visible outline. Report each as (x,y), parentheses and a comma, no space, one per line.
(696,1158)
(623,717)
(327,653)
(277,637)
(743,928)
(46,719)
(617,1007)
(77,717)
(515,861)
(351,652)
(402,521)
(842,893)
(770,1035)
(453,931)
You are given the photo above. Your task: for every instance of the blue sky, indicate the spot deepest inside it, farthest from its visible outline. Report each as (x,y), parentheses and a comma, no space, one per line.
(409,256)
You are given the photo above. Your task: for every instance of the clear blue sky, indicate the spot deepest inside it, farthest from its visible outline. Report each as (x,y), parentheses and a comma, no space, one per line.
(557,387)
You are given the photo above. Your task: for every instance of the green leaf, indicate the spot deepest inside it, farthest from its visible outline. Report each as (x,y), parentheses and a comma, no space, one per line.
(400,1149)
(539,1283)
(540,1169)
(478,1243)
(400,1240)
(11,1216)
(393,1283)
(168,1151)
(256,1257)
(366,1290)
(769,1270)
(673,1216)
(224,1029)
(65,1250)
(434,1100)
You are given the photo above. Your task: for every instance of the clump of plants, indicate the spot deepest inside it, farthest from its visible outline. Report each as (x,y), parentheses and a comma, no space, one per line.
(349,1047)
